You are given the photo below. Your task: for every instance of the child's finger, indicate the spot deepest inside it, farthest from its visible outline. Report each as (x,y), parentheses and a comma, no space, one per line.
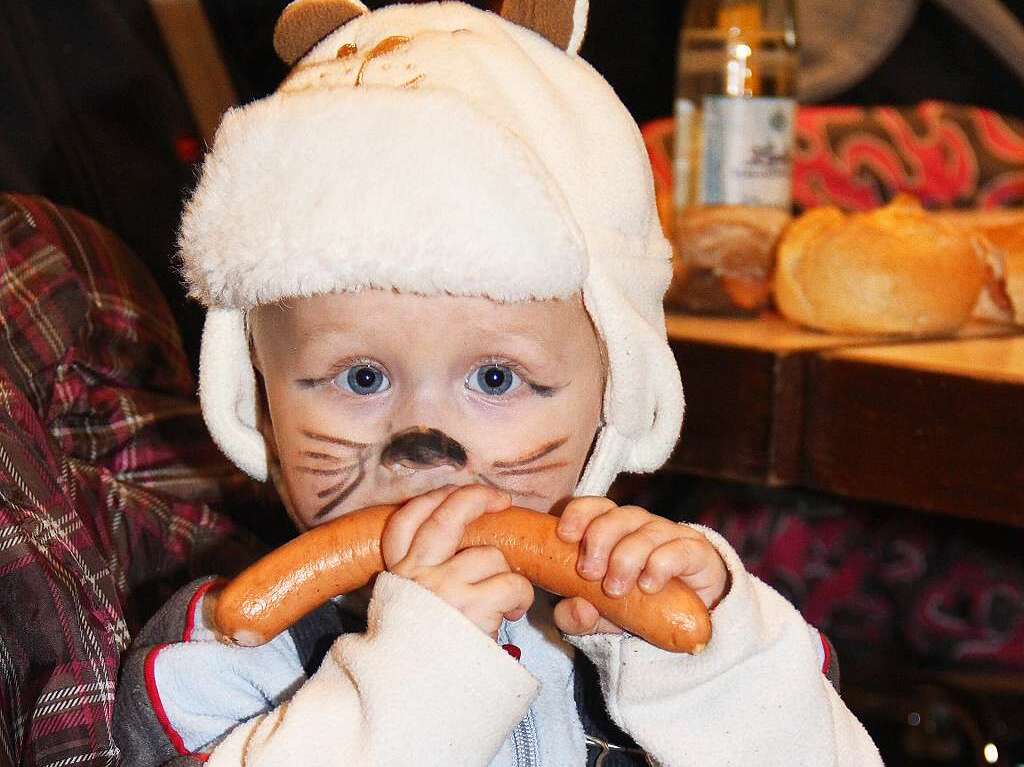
(578,514)
(630,555)
(577,616)
(439,535)
(503,594)
(694,561)
(473,565)
(673,559)
(404,523)
(601,536)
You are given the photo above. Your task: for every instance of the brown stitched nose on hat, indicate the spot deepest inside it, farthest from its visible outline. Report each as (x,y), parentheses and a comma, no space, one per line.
(421,448)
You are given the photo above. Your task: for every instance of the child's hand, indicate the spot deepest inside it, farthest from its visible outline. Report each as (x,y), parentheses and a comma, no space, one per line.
(420,543)
(626,546)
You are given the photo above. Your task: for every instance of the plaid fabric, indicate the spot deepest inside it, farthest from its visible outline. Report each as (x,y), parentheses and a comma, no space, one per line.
(105,475)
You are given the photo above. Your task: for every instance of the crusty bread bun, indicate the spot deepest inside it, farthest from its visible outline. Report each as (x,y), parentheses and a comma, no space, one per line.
(895,270)
(1009,241)
(724,258)
(1002,231)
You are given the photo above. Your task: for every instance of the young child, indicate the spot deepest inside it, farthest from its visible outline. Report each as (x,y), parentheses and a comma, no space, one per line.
(437,245)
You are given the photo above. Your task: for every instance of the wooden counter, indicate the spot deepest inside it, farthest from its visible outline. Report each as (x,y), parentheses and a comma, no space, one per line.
(932,424)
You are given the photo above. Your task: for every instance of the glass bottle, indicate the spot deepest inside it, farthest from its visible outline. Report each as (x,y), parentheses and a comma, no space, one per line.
(735,103)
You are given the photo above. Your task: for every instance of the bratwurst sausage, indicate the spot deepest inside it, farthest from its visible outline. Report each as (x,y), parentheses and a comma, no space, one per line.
(344,554)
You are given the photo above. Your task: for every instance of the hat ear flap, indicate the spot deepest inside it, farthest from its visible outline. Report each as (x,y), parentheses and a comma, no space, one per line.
(563,22)
(227,392)
(304,23)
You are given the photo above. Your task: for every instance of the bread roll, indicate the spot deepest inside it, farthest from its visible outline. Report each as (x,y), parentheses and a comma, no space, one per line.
(725,256)
(1009,241)
(895,270)
(1002,231)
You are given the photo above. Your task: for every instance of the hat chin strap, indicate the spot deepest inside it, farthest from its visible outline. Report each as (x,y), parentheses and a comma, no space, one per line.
(227,391)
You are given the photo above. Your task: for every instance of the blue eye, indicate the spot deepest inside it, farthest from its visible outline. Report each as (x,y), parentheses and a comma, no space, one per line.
(363,379)
(494,380)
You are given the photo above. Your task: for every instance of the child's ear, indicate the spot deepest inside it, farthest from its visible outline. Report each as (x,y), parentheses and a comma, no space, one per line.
(304,23)
(563,22)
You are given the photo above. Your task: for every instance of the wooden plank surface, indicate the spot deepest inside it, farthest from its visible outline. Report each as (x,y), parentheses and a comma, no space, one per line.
(742,407)
(194,52)
(993,359)
(768,333)
(745,381)
(773,333)
(935,426)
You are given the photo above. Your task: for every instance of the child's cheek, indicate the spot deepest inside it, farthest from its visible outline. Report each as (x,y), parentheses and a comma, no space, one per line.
(538,461)
(323,453)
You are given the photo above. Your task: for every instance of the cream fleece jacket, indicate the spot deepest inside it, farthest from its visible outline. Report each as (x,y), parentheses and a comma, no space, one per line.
(424,686)
(756,695)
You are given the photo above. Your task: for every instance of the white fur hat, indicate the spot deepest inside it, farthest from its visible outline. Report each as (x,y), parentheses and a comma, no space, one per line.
(434,149)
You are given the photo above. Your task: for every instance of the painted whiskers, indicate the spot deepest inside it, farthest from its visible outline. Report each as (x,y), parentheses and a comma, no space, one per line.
(343,472)
(341,464)
(526,465)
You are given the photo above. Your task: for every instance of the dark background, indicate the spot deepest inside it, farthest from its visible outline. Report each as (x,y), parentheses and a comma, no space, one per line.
(92,115)
(633,44)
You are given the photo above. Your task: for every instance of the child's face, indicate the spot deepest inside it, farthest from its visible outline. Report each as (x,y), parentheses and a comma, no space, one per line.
(375,397)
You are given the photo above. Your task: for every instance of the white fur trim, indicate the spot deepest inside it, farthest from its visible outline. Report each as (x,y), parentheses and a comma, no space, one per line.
(606,461)
(475,158)
(227,391)
(643,399)
(579,26)
(452,204)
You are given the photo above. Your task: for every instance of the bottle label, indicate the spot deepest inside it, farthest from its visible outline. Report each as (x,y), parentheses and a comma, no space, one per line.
(746,157)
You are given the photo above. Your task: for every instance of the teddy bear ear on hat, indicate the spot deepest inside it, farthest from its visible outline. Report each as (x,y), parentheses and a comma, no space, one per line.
(304,23)
(563,22)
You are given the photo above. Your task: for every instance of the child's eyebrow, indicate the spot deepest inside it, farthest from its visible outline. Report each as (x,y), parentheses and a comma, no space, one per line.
(522,339)
(333,328)
(323,335)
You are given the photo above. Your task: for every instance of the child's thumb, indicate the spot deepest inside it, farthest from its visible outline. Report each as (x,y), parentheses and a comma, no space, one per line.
(577,616)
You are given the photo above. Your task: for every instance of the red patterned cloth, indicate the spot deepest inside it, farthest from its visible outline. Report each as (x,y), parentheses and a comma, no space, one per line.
(946,593)
(859,158)
(105,475)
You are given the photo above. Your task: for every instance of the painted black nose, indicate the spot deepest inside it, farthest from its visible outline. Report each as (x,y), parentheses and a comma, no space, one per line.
(422,448)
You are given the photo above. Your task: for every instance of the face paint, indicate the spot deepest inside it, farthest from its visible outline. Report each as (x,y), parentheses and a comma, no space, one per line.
(421,448)
(527,465)
(344,472)
(417,449)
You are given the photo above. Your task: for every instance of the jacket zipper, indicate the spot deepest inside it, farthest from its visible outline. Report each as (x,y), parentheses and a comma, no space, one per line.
(524,736)
(524,740)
